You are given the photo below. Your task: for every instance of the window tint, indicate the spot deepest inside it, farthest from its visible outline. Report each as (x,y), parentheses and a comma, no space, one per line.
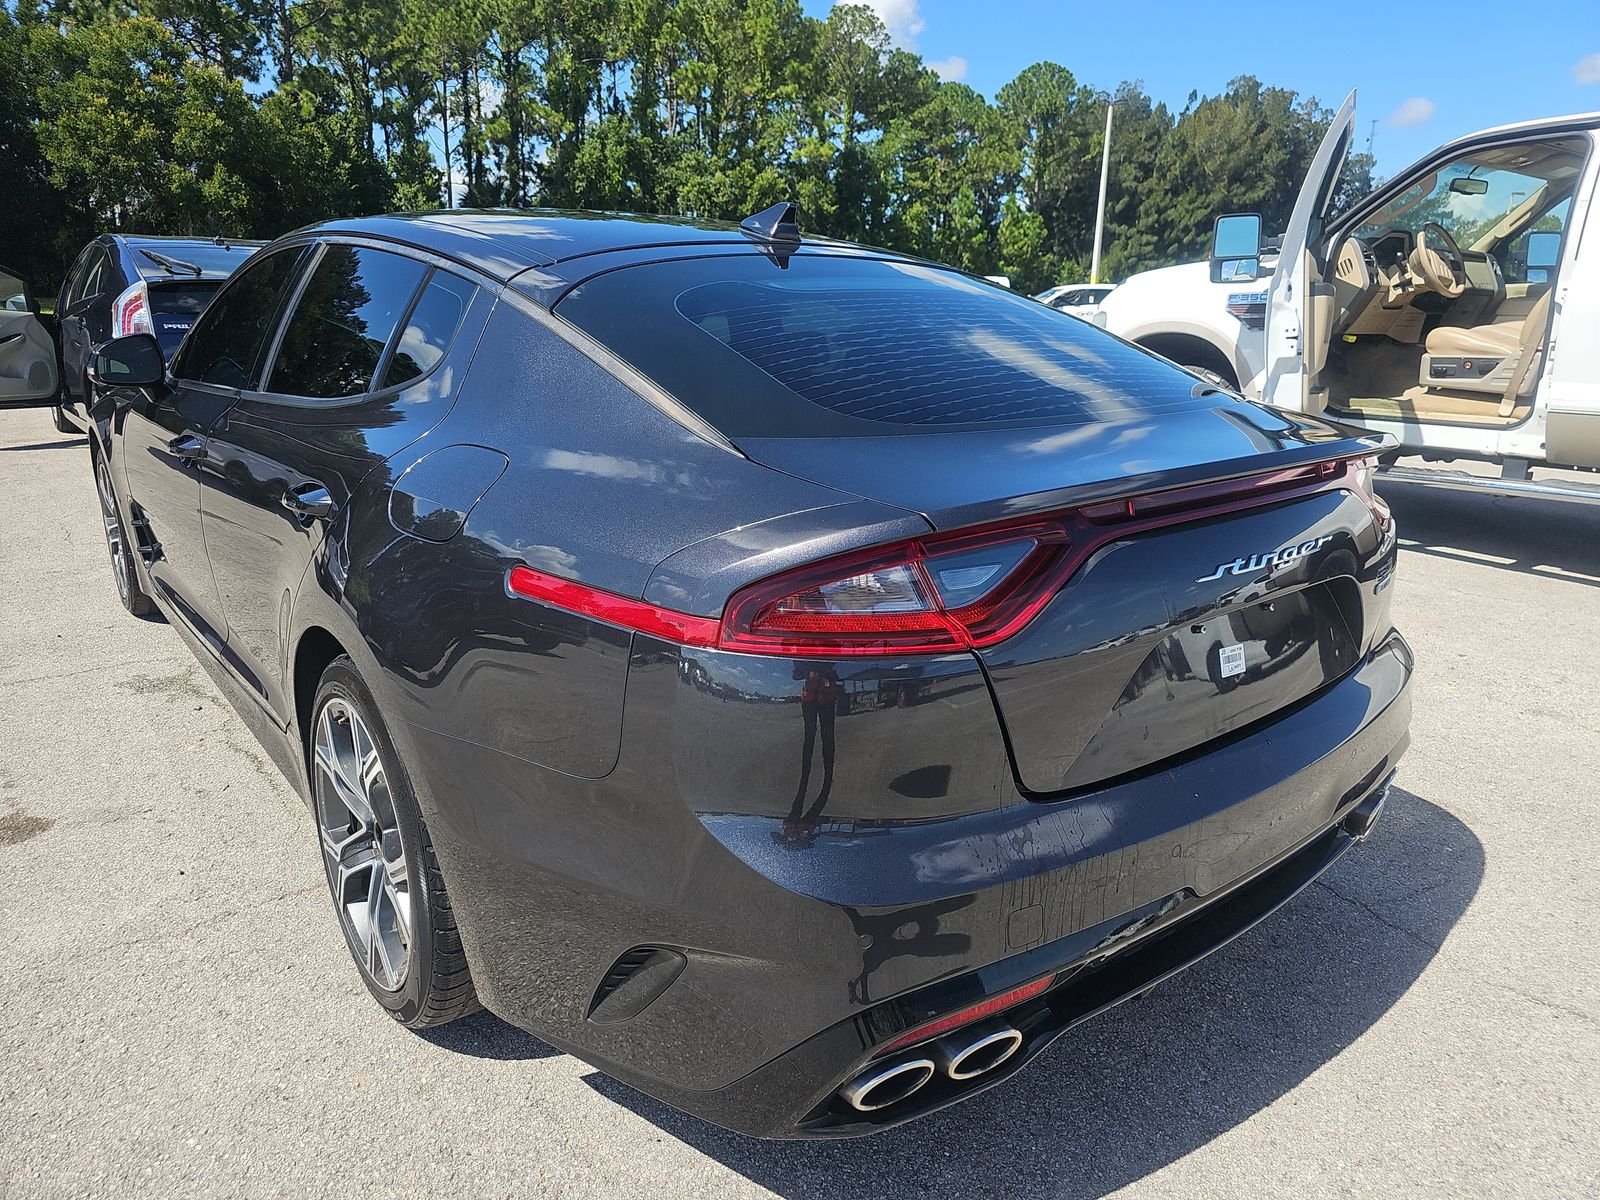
(835,346)
(91,282)
(226,344)
(341,323)
(430,328)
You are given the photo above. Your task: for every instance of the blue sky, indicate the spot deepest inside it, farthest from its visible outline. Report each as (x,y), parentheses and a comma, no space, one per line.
(1545,63)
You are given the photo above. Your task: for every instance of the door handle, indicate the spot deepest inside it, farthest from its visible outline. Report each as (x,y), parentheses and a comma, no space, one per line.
(9,338)
(311,501)
(187,448)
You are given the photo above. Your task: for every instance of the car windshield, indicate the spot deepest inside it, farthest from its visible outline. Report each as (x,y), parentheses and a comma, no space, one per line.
(1474,194)
(837,346)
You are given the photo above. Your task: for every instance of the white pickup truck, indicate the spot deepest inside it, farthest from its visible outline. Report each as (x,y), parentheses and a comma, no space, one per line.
(1457,307)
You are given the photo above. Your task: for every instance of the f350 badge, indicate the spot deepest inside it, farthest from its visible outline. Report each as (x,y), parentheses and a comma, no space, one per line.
(1274,558)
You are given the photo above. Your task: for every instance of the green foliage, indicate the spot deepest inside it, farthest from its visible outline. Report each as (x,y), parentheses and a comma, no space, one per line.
(252,117)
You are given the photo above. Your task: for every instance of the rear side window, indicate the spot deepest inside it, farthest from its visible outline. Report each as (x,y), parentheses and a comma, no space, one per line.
(226,344)
(833,346)
(429,329)
(90,282)
(349,309)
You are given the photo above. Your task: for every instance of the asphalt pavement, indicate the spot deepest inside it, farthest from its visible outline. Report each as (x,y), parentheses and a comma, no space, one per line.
(178,1014)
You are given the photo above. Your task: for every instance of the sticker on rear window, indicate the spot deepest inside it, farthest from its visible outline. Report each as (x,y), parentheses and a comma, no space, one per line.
(1231,659)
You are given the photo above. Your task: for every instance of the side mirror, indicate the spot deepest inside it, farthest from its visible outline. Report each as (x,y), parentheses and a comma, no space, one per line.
(1236,248)
(1544,250)
(132,361)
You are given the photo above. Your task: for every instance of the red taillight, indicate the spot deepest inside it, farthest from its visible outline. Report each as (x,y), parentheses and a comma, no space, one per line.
(932,594)
(968,1016)
(683,628)
(943,592)
(130,312)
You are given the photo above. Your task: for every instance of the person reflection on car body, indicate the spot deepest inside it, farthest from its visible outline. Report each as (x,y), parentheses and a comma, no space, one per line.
(819,701)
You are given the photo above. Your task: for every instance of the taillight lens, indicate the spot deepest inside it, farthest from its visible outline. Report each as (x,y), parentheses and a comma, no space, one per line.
(926,595)
(130,312)
(1363,478)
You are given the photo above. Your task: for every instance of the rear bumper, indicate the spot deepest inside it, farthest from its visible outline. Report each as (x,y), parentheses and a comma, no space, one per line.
(800,952)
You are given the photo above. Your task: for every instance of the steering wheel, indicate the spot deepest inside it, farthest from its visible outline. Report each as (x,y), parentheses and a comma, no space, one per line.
(1443,270)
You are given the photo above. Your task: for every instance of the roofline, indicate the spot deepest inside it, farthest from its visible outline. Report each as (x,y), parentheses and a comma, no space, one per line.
(185,237)
(658,225)
(1563,124)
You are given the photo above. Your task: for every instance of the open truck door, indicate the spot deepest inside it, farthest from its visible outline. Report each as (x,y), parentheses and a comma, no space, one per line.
(1300,304)
(28,374)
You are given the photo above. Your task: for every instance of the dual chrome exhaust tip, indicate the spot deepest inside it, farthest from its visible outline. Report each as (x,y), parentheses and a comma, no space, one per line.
(965,1054)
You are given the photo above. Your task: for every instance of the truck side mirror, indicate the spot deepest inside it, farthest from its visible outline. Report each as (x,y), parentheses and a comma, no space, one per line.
(1544,250)
(1236,248)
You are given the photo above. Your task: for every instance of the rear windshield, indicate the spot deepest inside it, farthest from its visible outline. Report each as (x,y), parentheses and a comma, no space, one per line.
(833,346)
(215,262)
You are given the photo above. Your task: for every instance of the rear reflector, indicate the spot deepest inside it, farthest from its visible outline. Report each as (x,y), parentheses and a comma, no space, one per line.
(967,1016)
(945,592)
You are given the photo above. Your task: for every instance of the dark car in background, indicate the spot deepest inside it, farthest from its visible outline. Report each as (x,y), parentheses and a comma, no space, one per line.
(126,283)
(802,680)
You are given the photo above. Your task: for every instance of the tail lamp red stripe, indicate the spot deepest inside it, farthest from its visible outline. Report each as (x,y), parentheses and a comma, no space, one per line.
(683,628)
(969,1016)
(942,593)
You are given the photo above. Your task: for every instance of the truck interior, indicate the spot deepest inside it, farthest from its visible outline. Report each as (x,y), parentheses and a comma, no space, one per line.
(1440,299)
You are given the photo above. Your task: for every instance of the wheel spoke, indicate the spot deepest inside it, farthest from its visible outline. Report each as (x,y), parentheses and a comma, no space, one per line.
(361,843)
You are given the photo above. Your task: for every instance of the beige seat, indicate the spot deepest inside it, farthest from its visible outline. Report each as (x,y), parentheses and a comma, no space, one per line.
(1490,341)
(1516,344)
(1475,341)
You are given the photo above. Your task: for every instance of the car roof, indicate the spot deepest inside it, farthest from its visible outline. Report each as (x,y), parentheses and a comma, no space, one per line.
(505,243)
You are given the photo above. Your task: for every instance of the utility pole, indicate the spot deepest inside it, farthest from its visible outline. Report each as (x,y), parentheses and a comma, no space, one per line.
(1100,217)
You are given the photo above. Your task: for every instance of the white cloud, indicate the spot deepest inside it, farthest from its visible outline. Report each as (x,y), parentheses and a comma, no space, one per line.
(951,70)
(903,19)
(1587,69)
(1411,113)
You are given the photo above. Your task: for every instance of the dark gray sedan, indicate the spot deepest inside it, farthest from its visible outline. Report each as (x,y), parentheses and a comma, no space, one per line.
(802,680)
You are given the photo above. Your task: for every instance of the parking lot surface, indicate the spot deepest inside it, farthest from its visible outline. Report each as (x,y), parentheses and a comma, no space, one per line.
(178,1015)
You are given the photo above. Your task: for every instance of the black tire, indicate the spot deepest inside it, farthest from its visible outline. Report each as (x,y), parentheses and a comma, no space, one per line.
(59,419)
(119,546)
(436,985)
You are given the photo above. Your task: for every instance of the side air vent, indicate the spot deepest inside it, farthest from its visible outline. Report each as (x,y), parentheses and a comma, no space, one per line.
(634,982)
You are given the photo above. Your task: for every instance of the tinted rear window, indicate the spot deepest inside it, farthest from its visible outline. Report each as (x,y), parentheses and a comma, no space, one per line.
(837,346)
(215,262)
(429,329)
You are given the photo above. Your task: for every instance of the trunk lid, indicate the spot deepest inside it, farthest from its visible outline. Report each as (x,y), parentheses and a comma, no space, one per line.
(174,307)
(1176,629)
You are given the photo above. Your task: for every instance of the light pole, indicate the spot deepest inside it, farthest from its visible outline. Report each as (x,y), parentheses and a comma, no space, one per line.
(1100,216)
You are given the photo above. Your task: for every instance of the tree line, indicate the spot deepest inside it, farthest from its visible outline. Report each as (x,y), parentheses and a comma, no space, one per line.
(249,118)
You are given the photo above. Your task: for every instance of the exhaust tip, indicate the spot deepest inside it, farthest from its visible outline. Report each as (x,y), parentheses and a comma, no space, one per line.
(974,1052)
(880,1086)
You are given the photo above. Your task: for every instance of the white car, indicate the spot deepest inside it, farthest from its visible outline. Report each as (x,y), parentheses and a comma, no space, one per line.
(1452,308)
(1079,299)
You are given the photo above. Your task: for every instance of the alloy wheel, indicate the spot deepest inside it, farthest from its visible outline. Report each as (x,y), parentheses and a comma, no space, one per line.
(113,526)
(362,847)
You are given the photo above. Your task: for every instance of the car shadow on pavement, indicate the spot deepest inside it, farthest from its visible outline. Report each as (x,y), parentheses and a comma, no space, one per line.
(62,444)
(484,1035)
(1154,1079)
(1556,539)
